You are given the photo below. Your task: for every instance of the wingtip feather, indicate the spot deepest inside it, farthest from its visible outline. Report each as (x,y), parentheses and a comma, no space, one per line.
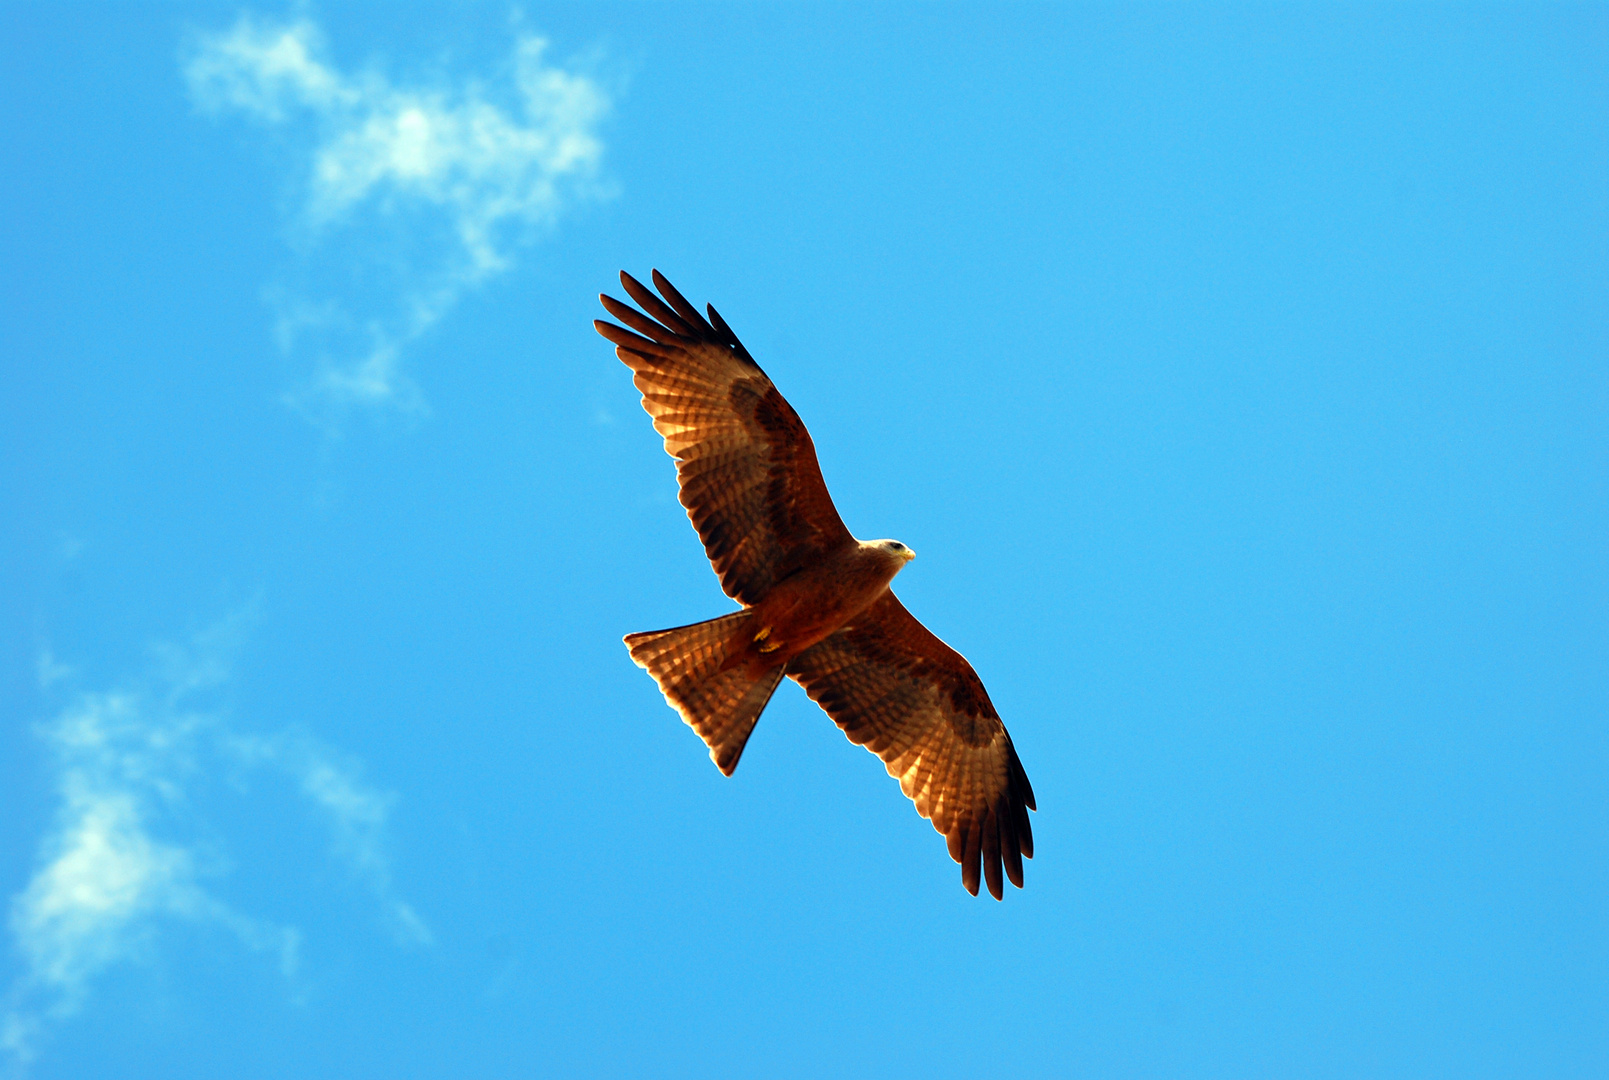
(971,867)
(687,311)
(991,856)
(655,307)
(1010,844)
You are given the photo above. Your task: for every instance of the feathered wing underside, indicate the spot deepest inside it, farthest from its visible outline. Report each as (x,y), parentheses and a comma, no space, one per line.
(747,468)
(896,689)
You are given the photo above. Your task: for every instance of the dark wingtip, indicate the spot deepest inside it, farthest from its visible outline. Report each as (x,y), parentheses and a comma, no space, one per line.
(657,308)
(728,338)
(681,306)
(1011,844)
(607,329)
(991,857)
(972,865)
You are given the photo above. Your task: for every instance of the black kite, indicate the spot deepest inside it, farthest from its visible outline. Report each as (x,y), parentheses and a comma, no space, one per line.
(816,601)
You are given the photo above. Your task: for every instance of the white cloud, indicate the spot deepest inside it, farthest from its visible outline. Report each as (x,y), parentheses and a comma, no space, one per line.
(457,175)
(355,814)
(50,670)
(135,853)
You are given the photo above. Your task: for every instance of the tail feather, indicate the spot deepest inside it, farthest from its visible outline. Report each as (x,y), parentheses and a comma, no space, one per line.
(719,701)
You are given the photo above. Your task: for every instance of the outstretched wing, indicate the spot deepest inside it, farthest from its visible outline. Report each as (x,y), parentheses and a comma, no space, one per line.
(747,468)
(903,694)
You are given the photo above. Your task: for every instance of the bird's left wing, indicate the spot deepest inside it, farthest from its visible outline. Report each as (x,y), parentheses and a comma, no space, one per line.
(746,465)
(899,691)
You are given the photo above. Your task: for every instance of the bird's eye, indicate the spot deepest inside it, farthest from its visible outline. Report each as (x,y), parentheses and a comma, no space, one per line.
(898,546)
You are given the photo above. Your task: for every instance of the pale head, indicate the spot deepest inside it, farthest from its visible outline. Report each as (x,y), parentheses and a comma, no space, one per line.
(892,548)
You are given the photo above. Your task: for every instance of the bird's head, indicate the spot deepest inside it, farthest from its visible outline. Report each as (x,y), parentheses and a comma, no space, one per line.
(898,552)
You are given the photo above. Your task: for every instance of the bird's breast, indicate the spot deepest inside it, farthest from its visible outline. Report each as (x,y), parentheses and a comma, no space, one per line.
(815,603)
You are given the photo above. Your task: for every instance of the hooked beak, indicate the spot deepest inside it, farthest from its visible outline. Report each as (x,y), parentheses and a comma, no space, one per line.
(907,554)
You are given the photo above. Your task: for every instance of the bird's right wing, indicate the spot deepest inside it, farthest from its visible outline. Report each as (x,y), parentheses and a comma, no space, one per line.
(903,694)
(746,465)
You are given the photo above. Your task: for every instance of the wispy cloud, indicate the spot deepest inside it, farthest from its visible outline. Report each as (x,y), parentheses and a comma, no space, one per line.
(136,852)
(354,813)
(437,184)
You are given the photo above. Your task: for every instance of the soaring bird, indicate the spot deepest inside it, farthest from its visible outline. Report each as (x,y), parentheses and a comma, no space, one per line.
(816,602)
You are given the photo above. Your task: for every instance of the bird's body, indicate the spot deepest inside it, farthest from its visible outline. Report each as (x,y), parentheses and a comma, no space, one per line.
(817,606)
(820,599)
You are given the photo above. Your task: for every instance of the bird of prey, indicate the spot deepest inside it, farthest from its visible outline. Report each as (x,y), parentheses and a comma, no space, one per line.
(816,601)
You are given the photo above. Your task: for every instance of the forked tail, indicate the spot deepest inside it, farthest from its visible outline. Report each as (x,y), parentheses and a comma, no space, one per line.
(718,701)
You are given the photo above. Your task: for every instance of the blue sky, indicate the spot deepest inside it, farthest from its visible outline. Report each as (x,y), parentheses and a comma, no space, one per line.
(1238,374)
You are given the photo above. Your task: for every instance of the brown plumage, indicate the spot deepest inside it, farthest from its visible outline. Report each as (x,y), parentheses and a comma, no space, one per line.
(816,602)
